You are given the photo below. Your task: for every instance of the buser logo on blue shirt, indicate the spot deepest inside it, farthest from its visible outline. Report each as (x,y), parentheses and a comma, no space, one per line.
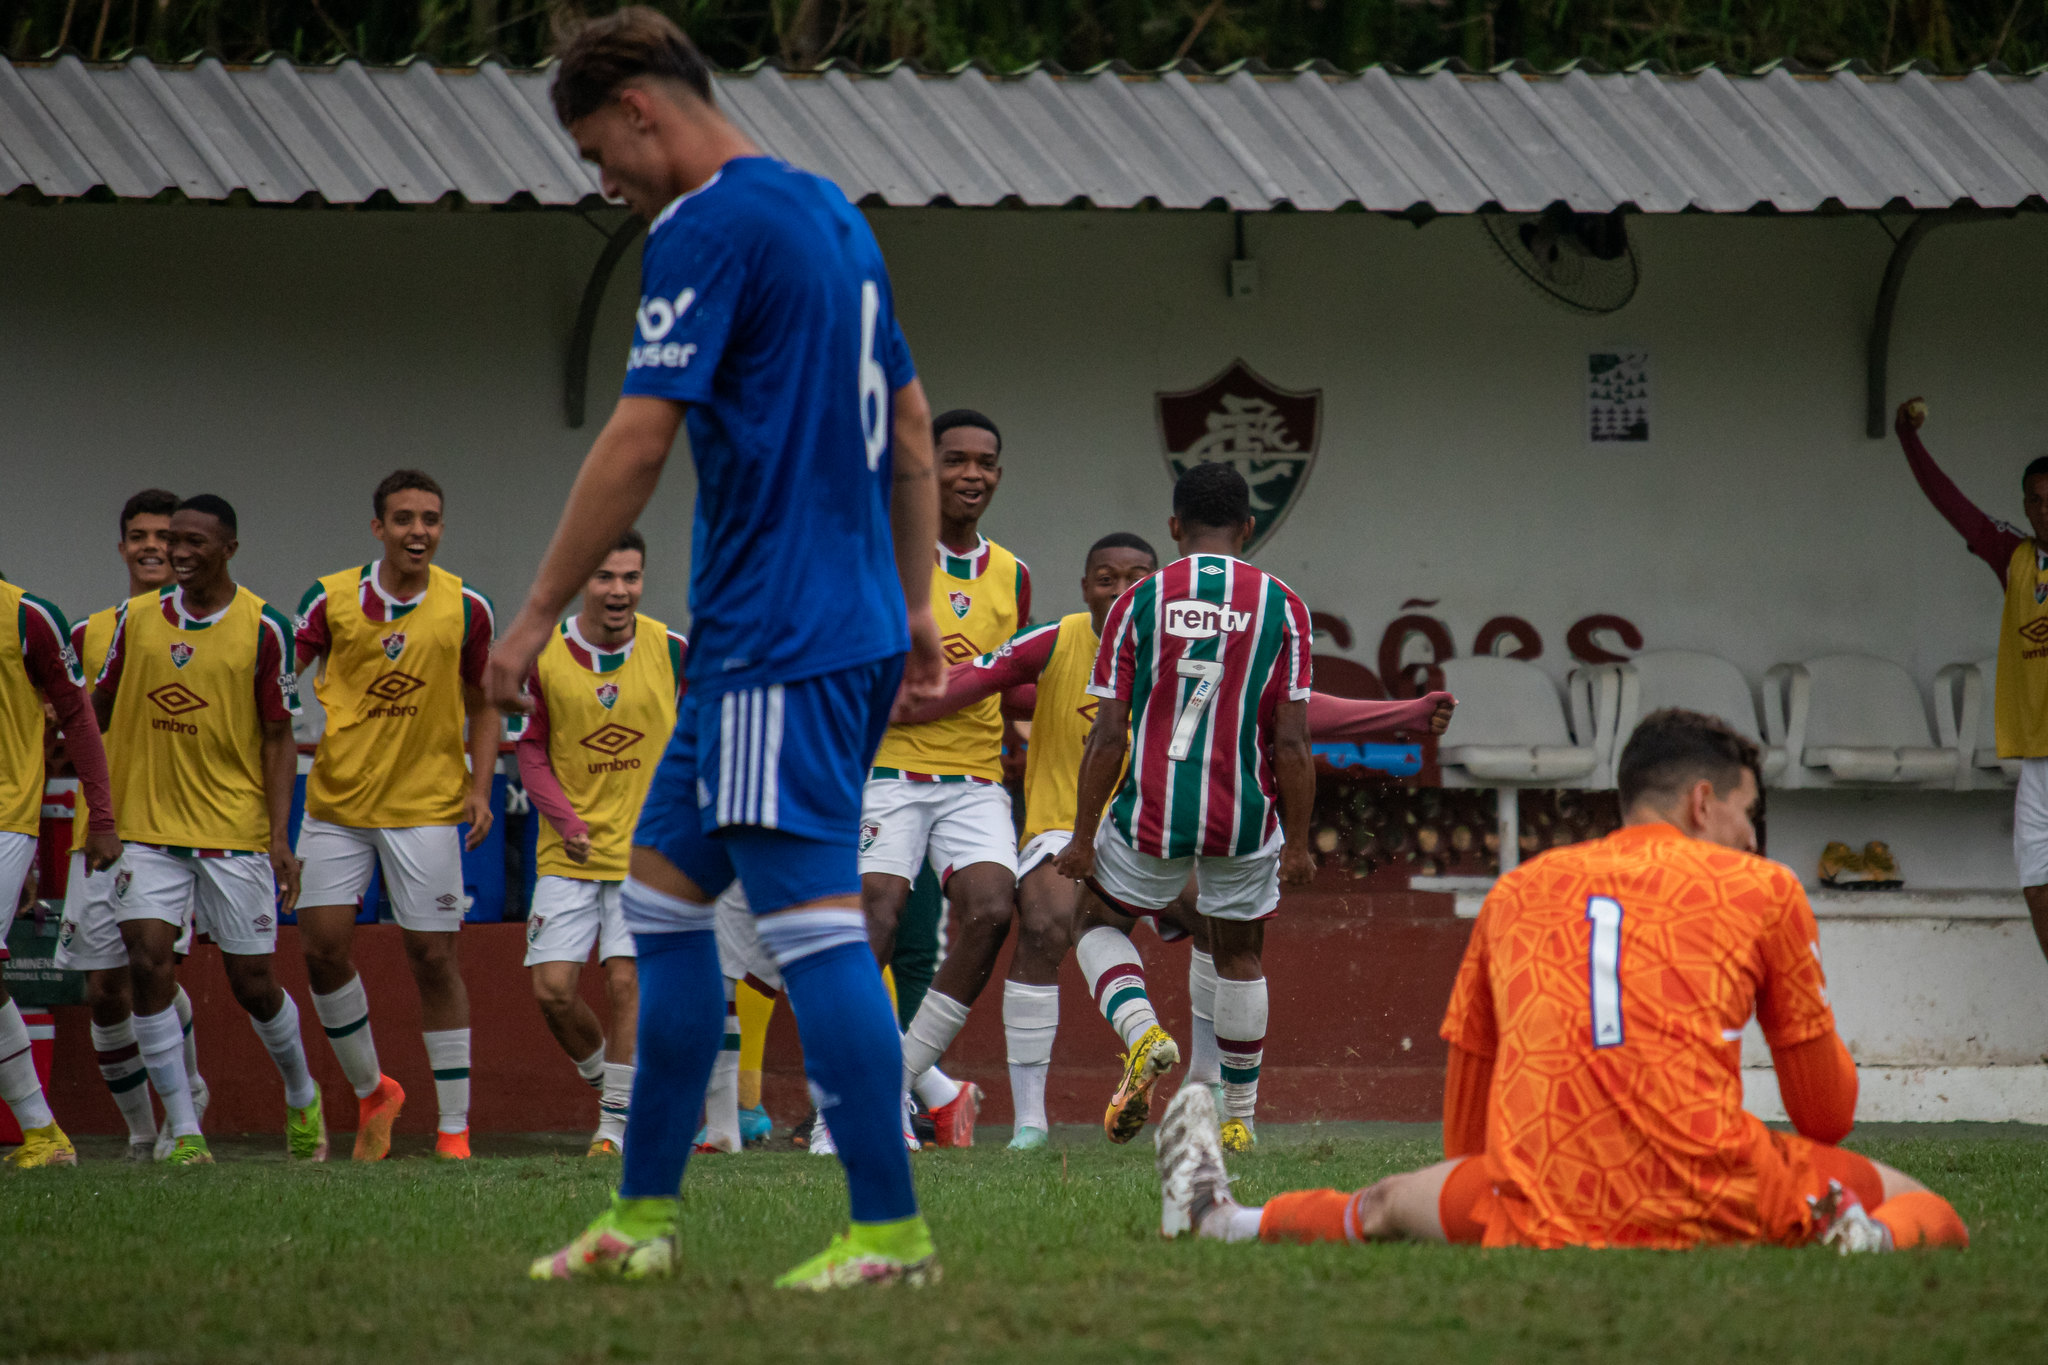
(657,318)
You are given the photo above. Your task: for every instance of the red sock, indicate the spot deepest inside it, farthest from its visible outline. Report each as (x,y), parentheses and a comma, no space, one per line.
(1305,1216)
(1917,1218)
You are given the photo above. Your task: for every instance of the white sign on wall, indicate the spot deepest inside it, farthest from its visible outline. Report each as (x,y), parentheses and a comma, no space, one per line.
(1618,396)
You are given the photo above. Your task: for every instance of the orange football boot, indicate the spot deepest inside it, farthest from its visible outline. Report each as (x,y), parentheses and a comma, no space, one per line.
(451,1146)
(375,1113)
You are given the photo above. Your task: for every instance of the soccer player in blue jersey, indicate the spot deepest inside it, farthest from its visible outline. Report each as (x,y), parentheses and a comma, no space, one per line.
(766,324)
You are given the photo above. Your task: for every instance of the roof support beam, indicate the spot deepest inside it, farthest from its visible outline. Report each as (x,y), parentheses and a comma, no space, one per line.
(576,370)
(1877,358)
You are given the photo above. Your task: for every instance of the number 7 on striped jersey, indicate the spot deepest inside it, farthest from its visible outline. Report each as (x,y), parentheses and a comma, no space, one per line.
(1206,673)
(1603,969)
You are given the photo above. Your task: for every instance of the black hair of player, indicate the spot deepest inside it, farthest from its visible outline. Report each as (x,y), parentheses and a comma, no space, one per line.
(215,506)
(1674,748)
(598,57)
(150,502)
(964,417)
(1123,540)
(402,480)
(632,540)
(1212,494)
(2035,468)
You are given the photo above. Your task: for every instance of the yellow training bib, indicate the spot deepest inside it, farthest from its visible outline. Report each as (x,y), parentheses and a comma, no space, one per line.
(99,633)
(1059,729)
(606,732)
(2022,704)
(186,741)
(392,756)
(976,611)
(21,720)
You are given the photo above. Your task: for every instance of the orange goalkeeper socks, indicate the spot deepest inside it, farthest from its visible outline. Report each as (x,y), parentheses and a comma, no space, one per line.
(1920,1218)
(1307,1216)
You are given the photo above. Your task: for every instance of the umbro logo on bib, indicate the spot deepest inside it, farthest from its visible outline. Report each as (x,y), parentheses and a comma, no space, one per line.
(394,645)
(608,695)
(962,603)
(181,653)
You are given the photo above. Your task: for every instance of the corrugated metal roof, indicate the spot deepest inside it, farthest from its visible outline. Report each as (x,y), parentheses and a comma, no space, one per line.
(1444,141)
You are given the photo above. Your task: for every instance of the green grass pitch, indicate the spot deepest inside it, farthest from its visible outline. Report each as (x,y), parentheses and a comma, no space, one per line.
(1049,1257)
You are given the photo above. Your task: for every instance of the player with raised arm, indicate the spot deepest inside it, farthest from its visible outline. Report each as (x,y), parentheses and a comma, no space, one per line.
(405,644)
(1203,676)
(1052,665)
(936,793)
(765,322)
(89,941)
(1594,1091)
(197,697)
(2021,694)
(604,697)
(37,664)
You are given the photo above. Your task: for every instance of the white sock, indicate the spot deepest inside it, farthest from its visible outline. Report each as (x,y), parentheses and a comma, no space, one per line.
(120,1060)
(19,1085)
(936,1088)
(932,1030)
(1232,1223)
(448,1057)
(1116,977)
(591,1068)
(1204,1065)
(182,1003)
(280,1035)
(614,1101)
(722,1103)
(163,1052)
(345,1015)
(1031,1019)
(1241,1043)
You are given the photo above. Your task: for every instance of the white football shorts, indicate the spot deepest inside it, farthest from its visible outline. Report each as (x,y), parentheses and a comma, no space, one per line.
(1043,848)
(570,916)
(17,856)
(741,954)
(233,899)
(90,939)
(422,870)
(1244,887)
(950,824)
(2030,822)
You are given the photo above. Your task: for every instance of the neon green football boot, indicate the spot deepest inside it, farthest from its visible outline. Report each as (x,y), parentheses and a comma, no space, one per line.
(305,1132)
(190,1151)
(870,1253)
(634,1239)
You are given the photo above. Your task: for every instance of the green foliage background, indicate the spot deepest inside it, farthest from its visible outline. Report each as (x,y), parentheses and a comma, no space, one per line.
(1005,34)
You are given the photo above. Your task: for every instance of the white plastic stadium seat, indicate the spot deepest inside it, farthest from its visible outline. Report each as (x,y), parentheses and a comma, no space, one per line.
(1698,682)
(1965,719)
(1594,695)
(1850,718)
(1509,728)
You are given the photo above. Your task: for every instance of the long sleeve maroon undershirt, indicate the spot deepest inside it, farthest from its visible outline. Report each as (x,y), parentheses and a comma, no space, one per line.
(1987,539)
(537,775)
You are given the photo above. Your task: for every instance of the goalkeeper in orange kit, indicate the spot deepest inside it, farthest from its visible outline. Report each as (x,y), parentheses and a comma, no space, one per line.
(1594,1092)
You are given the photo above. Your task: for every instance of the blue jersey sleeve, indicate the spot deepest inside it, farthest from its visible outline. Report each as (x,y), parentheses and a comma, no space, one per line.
(895,356)
(692,284)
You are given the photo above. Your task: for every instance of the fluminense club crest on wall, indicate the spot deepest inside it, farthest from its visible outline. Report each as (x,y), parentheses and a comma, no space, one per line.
(1240,418)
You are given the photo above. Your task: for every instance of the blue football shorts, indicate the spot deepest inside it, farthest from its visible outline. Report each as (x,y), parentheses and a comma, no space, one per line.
(763,784)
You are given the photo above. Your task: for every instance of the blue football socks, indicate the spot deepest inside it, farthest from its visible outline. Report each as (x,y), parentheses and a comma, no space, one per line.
(682,1025)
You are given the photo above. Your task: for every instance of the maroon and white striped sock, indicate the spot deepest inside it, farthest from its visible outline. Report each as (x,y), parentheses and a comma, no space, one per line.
(1116,976)
(1241,1043)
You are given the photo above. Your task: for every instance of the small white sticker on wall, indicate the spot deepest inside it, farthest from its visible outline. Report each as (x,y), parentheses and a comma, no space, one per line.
(1618,396)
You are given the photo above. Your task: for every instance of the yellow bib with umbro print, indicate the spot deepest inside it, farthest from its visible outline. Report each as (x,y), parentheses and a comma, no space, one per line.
(185,741)
(977,601)
(392,756)
(2021,706)
(609,718)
